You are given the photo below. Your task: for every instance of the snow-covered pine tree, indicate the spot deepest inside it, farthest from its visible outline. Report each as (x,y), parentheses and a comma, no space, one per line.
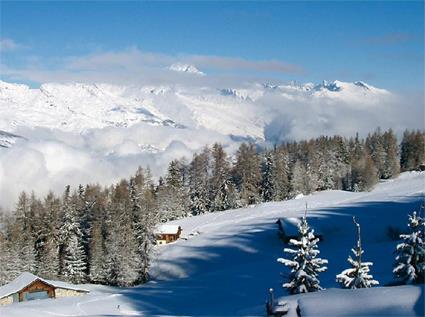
(199,184)
(298,179)
(305,264)
(97,251)
(223,194)
(280,175)
(173,195)
(267,172)
(21,239)
(247,174)
(122,262)
(146,217)
(392,162)
(74,258)
(358,275)
(48,252)
(409,267)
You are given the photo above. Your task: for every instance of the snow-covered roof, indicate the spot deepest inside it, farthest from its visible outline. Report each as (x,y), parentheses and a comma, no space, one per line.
(168,229)
(26,278)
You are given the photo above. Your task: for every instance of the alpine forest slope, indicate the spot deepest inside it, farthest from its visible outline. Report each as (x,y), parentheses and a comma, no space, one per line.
(225,262)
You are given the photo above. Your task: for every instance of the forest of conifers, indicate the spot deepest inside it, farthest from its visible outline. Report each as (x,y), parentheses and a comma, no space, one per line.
(106,234)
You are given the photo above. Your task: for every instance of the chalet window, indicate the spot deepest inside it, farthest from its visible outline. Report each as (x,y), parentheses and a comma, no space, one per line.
(35,295)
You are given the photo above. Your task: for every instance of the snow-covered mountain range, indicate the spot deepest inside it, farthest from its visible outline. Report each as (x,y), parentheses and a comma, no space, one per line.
(242,111)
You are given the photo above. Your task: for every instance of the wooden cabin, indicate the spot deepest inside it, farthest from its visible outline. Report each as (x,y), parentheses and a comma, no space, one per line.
(167,233)
(28,287)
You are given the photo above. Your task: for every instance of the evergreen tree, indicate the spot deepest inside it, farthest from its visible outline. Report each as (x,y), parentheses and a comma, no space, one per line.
(247,174)
(223,194)
(391,166)
(98,274)
(122,258)
(299,179)
(173,195)
(364,174)
(358,275)
(375,147)
(280,175)
(409,267)
(21,238)
(267,183)
(199,184)
(48,253)
(74,258)
(412,153)
(304,263)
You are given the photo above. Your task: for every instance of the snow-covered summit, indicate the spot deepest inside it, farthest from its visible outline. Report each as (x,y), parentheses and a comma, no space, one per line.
(185,68)
(242,110)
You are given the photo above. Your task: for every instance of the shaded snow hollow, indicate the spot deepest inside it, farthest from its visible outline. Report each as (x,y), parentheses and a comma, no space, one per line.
(227,262)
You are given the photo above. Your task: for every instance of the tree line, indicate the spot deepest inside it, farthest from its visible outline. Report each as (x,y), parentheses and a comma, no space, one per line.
(106,234)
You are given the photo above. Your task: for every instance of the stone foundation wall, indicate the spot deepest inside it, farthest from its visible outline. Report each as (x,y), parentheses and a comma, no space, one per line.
(6,300)
(62,292)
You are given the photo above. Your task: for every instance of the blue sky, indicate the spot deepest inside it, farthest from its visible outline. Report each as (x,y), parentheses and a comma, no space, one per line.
(381,43)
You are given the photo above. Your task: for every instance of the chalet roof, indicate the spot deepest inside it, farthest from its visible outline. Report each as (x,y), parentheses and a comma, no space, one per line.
(167,229)
(26,278)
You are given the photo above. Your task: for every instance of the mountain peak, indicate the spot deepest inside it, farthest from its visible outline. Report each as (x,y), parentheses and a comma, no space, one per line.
(185,68)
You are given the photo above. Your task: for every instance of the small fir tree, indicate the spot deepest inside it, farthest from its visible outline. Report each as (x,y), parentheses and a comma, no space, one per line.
(409,264)
(358,275)
(305,265)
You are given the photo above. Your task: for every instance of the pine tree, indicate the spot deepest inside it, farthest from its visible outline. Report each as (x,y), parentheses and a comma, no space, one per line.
(267,172)
(299,179)
(97,273)
(173,194)
(305,265)
(247,174)
(199,184)
(21,238)
(391,166)
(122,262)
(412,153)
(364,174)
(223,194)
(375,146)
(409,267)
(48,252)
(145,219)
(358,275)
(280,175)
(74,263)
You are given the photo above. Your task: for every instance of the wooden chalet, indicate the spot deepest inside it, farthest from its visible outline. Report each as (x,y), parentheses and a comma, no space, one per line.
(167,233)
(28,287)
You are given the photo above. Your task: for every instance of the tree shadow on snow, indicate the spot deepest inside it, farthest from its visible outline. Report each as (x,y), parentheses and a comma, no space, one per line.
(231,276)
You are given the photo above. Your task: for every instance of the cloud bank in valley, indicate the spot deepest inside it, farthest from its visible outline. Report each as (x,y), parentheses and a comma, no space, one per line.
(52,158)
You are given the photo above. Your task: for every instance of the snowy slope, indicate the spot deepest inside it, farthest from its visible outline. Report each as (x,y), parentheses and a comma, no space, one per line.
(240,111)
(226,262)
(8,139)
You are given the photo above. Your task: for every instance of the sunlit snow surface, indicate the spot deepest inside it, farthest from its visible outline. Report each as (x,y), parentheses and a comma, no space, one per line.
(226,262)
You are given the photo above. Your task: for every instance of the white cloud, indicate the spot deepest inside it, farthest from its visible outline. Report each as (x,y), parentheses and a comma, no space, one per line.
(7,45)
(134,66)
(54,159)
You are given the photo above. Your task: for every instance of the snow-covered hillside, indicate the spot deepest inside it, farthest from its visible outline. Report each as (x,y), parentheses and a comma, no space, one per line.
(238,111)
(226,262)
